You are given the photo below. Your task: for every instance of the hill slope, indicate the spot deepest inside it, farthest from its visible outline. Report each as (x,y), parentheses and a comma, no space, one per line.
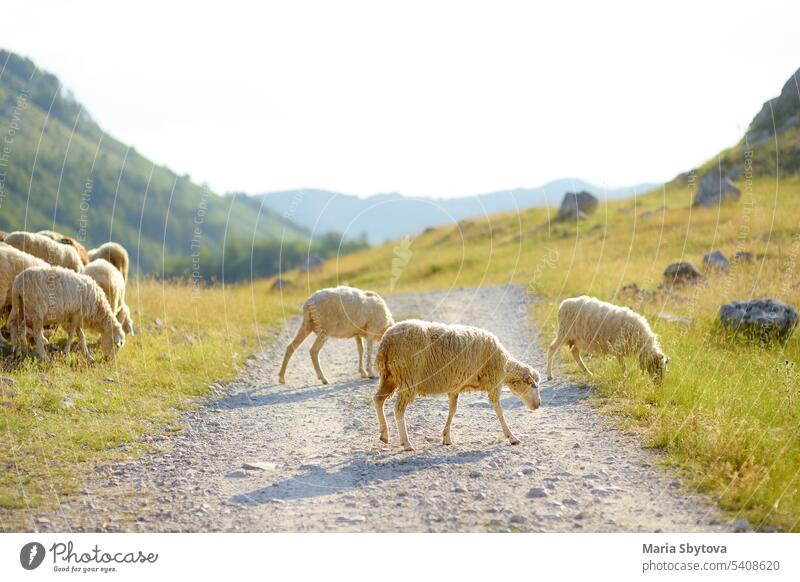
(58,169)
(389,216)
(728,411)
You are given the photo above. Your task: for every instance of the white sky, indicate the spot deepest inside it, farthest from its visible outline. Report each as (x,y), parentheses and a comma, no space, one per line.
(424,98)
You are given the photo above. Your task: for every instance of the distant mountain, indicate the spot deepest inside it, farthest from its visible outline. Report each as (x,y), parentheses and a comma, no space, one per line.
(59,169)
(389,216)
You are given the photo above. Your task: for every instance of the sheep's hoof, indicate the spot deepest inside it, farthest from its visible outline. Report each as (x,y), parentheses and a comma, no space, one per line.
(384,438)
(363,373)
(372,376)
(281,380)
(447,441)
(323,380)
(549,376)
(407,447)
(514,440)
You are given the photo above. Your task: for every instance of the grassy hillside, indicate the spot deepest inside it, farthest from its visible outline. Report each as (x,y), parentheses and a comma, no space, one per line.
(59,169)
(729,413)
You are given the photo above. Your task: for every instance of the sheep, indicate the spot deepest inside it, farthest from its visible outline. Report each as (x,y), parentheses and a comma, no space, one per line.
(54,295)
(422,358)
(597,327)
(115,254)
(44,247)
(12,262)
(113,285)
(67,240)
(341,312)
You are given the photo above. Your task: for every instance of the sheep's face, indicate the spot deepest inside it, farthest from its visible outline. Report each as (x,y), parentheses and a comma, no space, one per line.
(656,364)
(524,383)
(112,341)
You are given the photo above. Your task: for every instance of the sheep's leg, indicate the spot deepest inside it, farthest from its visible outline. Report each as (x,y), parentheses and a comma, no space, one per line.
(315,348)
(299,338)
(70,336)
(576,353)
(370,370)
(360,346)
(84,347)
(621,361)
(452,412)
(494,398)
(404,398)
(550,353)
(385,390)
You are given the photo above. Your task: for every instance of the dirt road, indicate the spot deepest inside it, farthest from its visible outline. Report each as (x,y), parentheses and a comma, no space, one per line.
(318,464)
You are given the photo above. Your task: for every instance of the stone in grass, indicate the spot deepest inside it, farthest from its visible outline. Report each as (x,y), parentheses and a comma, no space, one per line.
(716,261)
(537,493)
(741,525)
(765,319)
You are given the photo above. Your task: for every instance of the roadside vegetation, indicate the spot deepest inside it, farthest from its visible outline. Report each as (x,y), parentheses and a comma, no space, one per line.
(728,414)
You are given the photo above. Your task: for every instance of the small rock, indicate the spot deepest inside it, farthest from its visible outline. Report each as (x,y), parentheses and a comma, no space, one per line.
(675,484)
(527,471)
(716,261)
(517,519)
(495,522)
(743,257)
(765,319)
(741,525)
(474,474)
(480,496)
(237,474)
(259,466)
(537,492)
(459,490)
(350,519)
(681,274)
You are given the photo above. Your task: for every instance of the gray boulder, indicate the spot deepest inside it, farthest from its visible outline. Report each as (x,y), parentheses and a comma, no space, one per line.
(716,261)
(765,319)
(576,205)
(716,188)
(683,273)
(781,113)
(743,257)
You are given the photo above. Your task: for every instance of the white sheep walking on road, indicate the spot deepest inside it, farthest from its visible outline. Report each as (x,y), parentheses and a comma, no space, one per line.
(57,296)
(341,312)
(601,328)
(421,358)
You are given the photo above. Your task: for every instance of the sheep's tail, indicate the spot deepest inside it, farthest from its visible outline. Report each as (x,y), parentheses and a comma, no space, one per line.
(381,358)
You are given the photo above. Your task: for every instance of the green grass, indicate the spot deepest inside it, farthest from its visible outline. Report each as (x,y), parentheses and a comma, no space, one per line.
(64,417)
(728,413)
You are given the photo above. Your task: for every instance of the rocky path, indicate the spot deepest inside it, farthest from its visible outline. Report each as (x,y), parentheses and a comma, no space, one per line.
(306,457)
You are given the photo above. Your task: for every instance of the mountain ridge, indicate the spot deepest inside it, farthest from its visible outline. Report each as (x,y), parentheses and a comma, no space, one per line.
(322,210)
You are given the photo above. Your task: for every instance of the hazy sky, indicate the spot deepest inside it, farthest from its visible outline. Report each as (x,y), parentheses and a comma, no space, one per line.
(424,98)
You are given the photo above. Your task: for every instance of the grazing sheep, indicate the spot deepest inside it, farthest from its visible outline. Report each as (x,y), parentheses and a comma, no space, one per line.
(597,327)
(113,285)
(53,296)
(341,312)
(420,358)
(12,262)
(67,240)
(44,247)
(115,254)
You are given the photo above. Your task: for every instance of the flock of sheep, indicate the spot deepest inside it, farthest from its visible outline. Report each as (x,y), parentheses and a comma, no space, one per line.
(48,280)
(419,358)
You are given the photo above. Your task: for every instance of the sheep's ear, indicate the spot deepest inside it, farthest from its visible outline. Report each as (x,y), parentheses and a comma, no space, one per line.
(528,379)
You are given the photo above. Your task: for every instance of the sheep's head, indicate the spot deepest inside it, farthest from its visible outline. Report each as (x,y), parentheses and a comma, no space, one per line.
(524,383)
(112,339)
(655,363)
